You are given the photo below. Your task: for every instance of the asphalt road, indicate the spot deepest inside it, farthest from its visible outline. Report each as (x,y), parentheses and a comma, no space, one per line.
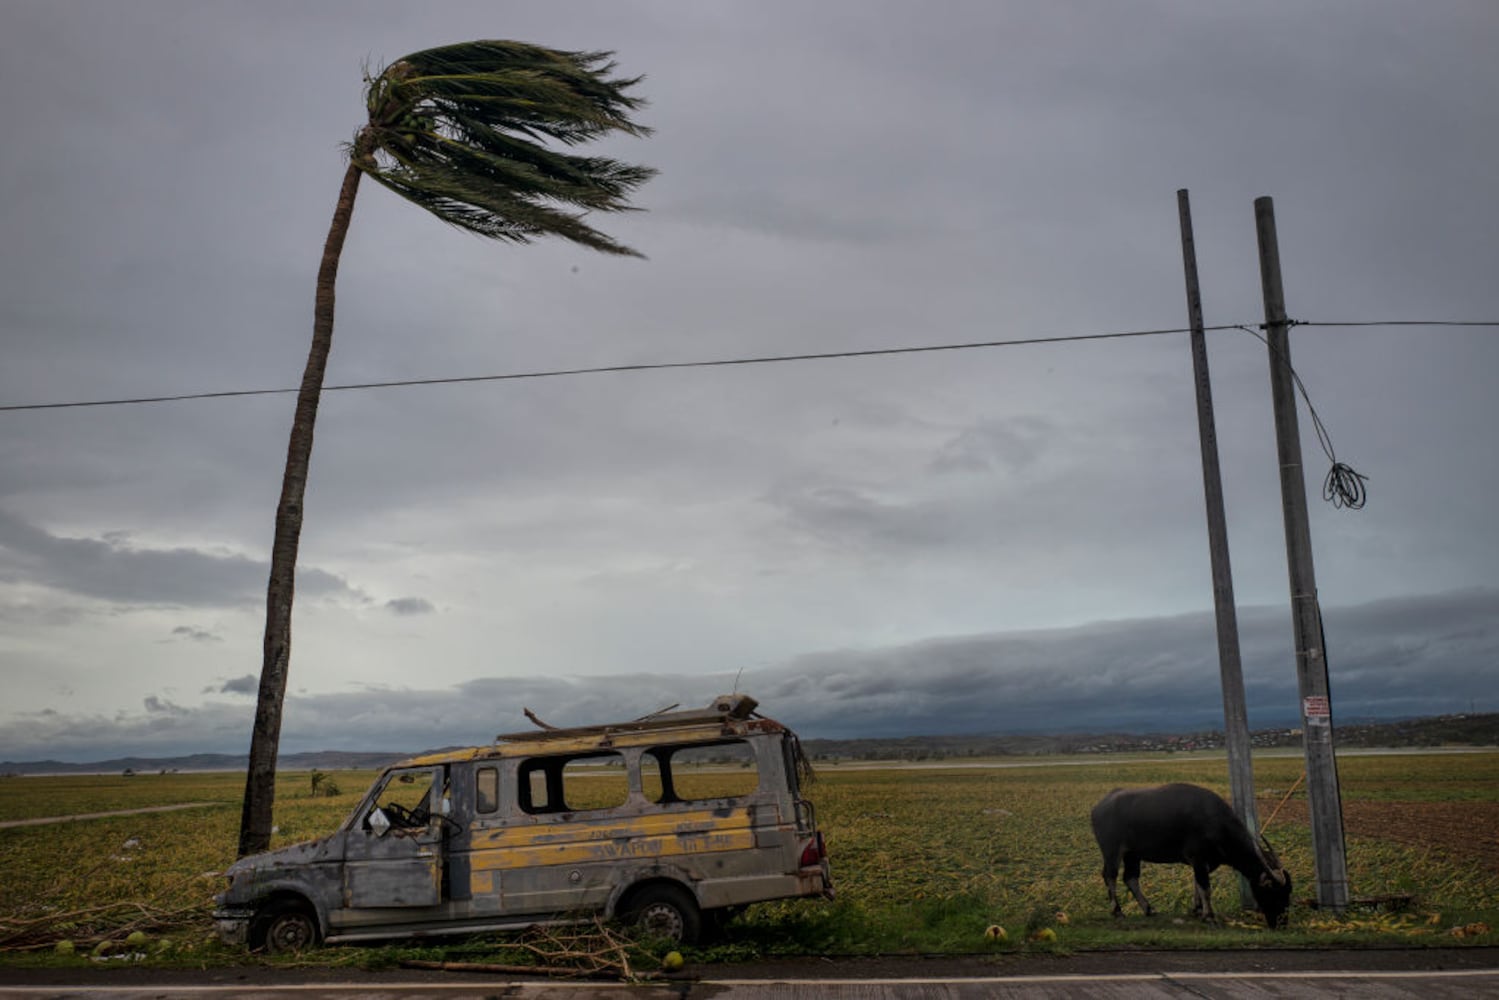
(1428,974)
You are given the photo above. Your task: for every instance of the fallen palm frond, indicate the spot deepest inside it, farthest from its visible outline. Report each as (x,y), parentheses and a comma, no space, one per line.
(90,926)
(587,951)
(527,970)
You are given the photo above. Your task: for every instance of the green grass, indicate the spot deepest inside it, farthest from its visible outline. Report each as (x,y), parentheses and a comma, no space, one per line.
(70,794)
(923,861)
(64,795)
(1464,777)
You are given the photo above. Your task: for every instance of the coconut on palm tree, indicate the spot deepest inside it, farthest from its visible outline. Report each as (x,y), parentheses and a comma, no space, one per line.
(480,135)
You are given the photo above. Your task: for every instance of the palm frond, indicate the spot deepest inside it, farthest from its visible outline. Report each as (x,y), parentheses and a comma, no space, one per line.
(491,212)
(464,131)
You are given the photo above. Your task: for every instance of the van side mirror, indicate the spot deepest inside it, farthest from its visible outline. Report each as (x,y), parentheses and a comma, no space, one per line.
(379,822)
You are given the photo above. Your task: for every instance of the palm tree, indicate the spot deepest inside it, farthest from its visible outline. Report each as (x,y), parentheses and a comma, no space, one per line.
(462,131)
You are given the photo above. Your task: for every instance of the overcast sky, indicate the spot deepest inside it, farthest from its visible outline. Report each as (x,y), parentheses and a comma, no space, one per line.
(979,540)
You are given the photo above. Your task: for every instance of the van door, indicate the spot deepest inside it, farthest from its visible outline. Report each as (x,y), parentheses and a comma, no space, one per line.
(568,832)
(393,855)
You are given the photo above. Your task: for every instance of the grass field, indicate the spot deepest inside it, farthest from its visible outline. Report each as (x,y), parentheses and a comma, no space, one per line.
(923,859)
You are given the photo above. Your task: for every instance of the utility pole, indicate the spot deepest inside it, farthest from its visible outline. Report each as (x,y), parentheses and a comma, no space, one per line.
(1230,668)
(1306,614)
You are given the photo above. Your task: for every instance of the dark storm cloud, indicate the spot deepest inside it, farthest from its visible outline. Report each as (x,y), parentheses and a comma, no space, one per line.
(1424,655)
(194,634)
(404,606)
(1412,656)
(1116,675)
(110,569)
(248,684)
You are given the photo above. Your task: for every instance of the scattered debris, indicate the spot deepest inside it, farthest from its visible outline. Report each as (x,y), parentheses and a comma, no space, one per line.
(588,952)
(101,929)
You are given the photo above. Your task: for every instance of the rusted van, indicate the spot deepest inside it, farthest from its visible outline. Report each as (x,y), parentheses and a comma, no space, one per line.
(670,822)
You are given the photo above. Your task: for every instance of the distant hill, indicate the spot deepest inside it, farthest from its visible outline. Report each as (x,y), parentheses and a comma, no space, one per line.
(1442,730)
(323,760)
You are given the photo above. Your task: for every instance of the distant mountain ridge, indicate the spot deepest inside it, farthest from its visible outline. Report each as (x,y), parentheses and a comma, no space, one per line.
(1480,730)
(323,760)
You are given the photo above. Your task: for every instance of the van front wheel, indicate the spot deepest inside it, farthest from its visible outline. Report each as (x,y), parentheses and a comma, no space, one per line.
(666,911)
(284,926)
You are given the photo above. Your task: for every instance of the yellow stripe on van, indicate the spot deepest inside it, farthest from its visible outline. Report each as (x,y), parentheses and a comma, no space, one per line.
(593,852)
(660,835)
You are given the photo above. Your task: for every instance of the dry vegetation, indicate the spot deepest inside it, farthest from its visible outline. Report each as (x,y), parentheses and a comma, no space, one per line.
(923,858)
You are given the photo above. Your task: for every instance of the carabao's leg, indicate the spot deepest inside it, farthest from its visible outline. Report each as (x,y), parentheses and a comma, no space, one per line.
(1202,892)
(1132,881)
(1111,879)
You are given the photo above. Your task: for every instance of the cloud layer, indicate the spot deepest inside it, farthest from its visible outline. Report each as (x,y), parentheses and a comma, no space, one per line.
(1390,659)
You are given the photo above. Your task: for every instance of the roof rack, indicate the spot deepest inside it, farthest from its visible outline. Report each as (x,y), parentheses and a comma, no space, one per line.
(723,709)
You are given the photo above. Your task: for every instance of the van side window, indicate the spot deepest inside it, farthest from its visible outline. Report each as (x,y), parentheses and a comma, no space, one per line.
(572,783)
(722,769)
(487,789)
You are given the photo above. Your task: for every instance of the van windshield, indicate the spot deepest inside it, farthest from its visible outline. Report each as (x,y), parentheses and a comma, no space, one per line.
(406,799)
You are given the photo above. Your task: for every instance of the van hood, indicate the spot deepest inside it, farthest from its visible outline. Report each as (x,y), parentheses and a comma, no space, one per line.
(293,855)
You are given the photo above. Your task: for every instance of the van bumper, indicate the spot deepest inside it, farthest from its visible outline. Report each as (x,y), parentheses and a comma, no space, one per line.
(233,926)
(714,893)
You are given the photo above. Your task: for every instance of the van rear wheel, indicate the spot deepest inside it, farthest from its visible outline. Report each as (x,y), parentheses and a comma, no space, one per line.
(666,911)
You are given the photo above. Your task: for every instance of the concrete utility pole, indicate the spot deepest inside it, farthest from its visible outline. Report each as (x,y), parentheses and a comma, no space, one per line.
(1306,614)
(1230,669)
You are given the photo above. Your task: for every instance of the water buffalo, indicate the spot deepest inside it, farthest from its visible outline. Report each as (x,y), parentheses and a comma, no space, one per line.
(1185,824)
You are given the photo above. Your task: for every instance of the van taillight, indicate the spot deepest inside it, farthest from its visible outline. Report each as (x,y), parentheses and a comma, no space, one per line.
(814,852)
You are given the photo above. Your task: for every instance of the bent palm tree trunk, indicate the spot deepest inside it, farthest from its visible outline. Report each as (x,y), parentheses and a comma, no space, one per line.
(461,130)
(265,737)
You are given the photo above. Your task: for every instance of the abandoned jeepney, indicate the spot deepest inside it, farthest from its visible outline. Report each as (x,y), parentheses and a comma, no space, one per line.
(670,822)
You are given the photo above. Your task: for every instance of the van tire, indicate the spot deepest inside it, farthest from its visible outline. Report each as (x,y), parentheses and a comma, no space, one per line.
(283,926)
(665,911)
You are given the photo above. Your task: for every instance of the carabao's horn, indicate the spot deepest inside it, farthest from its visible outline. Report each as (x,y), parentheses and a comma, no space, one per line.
(1272,862)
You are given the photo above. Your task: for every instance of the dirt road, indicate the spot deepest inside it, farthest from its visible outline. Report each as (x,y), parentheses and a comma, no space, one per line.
(43,820)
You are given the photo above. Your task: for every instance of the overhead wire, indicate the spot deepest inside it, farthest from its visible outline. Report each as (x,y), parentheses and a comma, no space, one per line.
(1343,486)
(604,369)
(715,363)
(1402,322)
